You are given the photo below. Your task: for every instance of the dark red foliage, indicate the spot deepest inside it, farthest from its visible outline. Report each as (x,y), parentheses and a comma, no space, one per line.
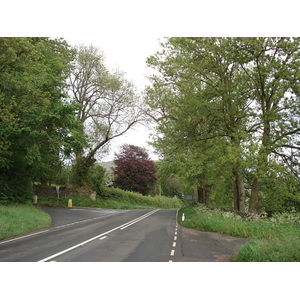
(134,170)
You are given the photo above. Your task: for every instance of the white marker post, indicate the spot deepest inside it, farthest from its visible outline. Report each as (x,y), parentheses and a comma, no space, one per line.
(182,218)
(57,191)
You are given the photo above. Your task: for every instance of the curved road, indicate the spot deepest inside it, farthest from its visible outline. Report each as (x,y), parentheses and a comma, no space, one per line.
(98,235)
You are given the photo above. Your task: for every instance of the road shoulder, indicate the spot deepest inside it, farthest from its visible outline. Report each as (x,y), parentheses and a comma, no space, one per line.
(203,246)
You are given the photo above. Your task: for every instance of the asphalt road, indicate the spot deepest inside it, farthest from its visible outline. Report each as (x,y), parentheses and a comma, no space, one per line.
(107,235)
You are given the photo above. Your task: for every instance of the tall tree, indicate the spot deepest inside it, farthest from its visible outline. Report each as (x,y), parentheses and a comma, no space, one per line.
(272,69)
(209,102)
(239,92)
(134,170)
(109,104)
(35,120)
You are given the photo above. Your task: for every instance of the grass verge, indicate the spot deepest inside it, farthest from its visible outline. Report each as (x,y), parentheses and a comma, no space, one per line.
(21,219)
(115,198)
(274,239)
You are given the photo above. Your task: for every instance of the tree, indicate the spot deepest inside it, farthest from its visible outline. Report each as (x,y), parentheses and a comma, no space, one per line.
(108,105)
(35,119)
(134,170)
(227,105)
(271,66)
(204,105)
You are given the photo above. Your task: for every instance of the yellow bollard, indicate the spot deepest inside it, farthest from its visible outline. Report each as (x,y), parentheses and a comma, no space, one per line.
(70,203)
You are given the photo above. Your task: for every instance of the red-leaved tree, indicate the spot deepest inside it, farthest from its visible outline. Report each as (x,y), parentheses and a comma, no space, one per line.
(134,170)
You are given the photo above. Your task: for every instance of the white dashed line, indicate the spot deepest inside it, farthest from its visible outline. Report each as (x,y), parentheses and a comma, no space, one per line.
(104,237)
(172,252)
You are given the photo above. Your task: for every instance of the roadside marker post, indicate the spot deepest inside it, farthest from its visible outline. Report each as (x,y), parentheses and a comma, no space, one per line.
(70,203)
(35,199)
(182,218)
(57,191)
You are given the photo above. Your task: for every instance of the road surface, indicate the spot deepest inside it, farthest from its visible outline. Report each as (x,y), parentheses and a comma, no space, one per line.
(108,235)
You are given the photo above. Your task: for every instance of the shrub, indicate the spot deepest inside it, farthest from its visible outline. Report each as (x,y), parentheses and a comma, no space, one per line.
(96,177)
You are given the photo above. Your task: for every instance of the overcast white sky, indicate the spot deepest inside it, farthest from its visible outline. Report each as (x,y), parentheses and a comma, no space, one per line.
(129,31)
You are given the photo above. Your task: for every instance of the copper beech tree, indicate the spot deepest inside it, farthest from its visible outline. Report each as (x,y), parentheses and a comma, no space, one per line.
(134,170)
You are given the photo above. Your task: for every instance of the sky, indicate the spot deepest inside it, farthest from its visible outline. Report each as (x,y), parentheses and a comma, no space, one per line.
(129,31)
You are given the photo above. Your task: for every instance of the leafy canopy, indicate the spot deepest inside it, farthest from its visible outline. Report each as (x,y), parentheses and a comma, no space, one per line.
(134,170)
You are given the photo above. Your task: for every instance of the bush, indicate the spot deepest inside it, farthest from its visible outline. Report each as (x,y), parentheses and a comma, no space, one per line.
(96,177)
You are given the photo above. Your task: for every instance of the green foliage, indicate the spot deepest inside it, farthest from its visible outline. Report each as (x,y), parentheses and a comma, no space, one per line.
(226,107)
(35,119)
(80,171)
(20,219)
(96,177)
(280,190)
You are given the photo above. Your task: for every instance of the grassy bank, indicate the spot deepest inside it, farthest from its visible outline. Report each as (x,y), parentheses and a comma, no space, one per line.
(115,198)
(17,220)
(271,239)
(21,219)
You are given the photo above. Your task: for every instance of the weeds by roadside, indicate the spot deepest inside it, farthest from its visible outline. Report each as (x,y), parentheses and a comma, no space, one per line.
(272,239)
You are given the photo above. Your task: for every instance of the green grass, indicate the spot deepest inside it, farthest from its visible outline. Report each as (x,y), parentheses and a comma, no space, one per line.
(274,239)
(116,198)
(21,219)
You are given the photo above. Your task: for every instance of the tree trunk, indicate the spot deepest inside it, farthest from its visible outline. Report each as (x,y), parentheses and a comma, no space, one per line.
(204,194)
(200,194)
(238,185)
(79,158)
(254,200)
(239,191)
(262,167)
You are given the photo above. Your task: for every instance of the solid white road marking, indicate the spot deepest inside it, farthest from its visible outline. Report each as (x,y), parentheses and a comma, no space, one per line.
(139,219)
(104,237)
(90,240)
(25,236)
